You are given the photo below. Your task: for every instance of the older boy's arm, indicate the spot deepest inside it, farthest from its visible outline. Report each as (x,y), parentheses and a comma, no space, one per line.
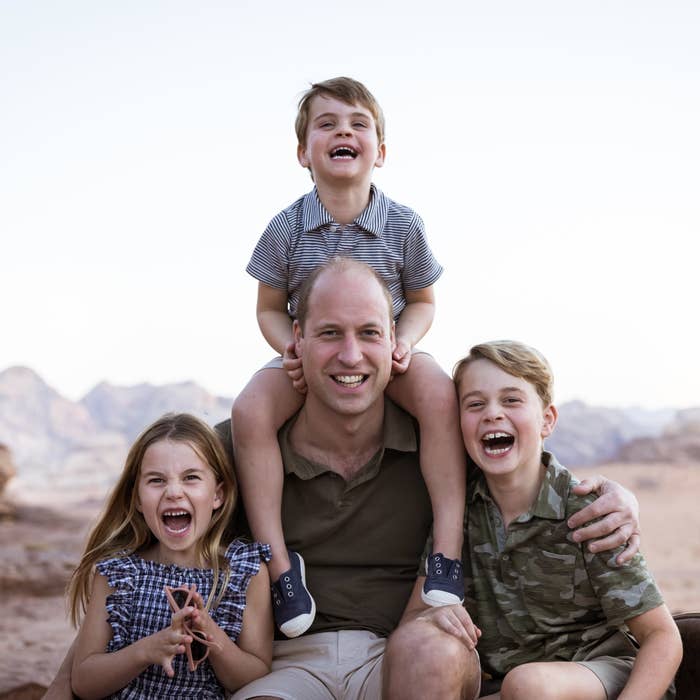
(618,511)
(60,688)
(413,324)
(659,655)
(273,319)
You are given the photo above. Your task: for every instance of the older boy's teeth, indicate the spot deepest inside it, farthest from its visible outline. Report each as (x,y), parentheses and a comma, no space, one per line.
(496,450)
(497,443)
(493,436)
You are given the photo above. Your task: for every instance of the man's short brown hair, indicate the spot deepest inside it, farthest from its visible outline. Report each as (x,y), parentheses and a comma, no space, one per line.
(346,90)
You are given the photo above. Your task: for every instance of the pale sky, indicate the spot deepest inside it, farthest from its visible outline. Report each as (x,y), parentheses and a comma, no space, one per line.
(552,149)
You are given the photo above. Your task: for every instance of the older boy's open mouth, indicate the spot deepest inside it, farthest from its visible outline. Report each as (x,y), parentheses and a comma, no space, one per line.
(349,380)
(497,443)
(176,521)
(343,152)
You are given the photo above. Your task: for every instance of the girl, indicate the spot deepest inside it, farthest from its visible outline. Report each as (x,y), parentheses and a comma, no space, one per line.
(154,557)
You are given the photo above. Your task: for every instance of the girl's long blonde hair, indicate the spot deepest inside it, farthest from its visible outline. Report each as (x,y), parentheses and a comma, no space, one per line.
(121,529)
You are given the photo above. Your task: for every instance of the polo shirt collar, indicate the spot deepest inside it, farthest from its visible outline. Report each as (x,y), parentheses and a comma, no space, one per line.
(550,503)
(399,433)
(372,219)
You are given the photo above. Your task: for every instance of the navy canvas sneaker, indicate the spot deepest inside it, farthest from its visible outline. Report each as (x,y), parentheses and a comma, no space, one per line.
(292,605)
(444,581)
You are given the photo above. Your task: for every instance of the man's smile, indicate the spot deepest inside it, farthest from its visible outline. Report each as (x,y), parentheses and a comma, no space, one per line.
(349,380)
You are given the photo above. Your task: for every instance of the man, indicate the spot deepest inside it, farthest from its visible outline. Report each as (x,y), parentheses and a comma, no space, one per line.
(356,508)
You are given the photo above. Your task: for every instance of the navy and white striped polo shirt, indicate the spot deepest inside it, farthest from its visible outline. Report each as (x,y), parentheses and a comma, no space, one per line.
(387,236)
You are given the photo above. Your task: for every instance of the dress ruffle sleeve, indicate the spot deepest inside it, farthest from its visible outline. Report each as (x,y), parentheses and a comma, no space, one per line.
(119,573)
(244,559)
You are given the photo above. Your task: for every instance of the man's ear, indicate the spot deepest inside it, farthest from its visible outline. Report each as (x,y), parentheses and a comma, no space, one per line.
(298,338)
(381,155)
(550,416)
(392,335)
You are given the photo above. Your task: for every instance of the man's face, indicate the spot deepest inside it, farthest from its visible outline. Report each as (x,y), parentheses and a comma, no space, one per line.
(347,341)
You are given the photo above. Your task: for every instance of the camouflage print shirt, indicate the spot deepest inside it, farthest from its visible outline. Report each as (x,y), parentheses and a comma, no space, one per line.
(536,594)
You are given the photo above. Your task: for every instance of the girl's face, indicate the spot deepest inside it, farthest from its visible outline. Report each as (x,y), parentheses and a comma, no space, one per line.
(176,493)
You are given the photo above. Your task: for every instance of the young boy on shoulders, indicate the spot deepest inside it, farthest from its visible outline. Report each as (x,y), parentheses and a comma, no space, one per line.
(340,131)
(553,616)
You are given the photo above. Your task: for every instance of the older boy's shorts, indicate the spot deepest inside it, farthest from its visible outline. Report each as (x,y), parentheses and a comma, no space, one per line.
(614,671)
(276,362)
(323,666)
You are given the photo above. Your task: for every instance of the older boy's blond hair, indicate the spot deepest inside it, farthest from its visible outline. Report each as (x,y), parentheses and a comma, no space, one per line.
(515,358)
(346,90)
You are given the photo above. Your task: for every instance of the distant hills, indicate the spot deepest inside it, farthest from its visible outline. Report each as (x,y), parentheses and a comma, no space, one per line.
(81,445)
(63,444)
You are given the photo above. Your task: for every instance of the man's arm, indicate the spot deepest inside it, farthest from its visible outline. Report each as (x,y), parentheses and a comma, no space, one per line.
(618,510)
(60,688)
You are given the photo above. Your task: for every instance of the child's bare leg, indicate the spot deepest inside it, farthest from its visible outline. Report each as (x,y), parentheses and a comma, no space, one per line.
(428,394)
(552,680)
(260,410)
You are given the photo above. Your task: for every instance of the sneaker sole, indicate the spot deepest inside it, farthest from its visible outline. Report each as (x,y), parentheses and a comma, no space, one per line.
(439,598)
(299,624)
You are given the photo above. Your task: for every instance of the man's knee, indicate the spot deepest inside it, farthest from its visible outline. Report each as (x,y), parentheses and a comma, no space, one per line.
(418,653)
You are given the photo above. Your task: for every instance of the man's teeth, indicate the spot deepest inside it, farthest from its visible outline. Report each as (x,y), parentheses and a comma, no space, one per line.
(350,380)
(493,436)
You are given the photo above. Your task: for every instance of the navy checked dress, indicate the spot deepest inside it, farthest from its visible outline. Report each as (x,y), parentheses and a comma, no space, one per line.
(138,608)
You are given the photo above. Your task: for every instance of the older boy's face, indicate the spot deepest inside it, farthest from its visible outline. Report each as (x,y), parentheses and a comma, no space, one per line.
(503,420)
(341,142)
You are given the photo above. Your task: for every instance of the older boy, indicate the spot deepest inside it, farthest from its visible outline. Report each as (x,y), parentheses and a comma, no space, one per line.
(552,614)
(340,130)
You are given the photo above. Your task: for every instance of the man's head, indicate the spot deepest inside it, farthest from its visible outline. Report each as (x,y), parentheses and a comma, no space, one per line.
(505,403)
(344,335)
(347,90)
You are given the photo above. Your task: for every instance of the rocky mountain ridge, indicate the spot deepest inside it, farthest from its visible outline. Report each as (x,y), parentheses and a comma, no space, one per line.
(68,446)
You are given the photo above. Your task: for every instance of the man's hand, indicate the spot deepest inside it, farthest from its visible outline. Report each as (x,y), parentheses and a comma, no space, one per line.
(401,357)
(292,365)
(454,620)
(619,512)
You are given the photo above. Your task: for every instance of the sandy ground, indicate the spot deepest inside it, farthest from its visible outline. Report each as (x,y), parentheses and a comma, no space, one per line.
(39,548)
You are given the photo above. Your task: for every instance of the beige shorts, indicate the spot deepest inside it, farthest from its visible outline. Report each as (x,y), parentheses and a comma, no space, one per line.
(323,666)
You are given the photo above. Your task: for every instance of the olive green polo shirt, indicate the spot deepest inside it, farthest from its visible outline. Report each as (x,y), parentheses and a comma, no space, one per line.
(361,539)
(536,594)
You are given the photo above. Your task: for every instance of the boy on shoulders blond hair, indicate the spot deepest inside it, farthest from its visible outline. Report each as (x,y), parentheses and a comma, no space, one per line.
(340,131)
(553,616)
